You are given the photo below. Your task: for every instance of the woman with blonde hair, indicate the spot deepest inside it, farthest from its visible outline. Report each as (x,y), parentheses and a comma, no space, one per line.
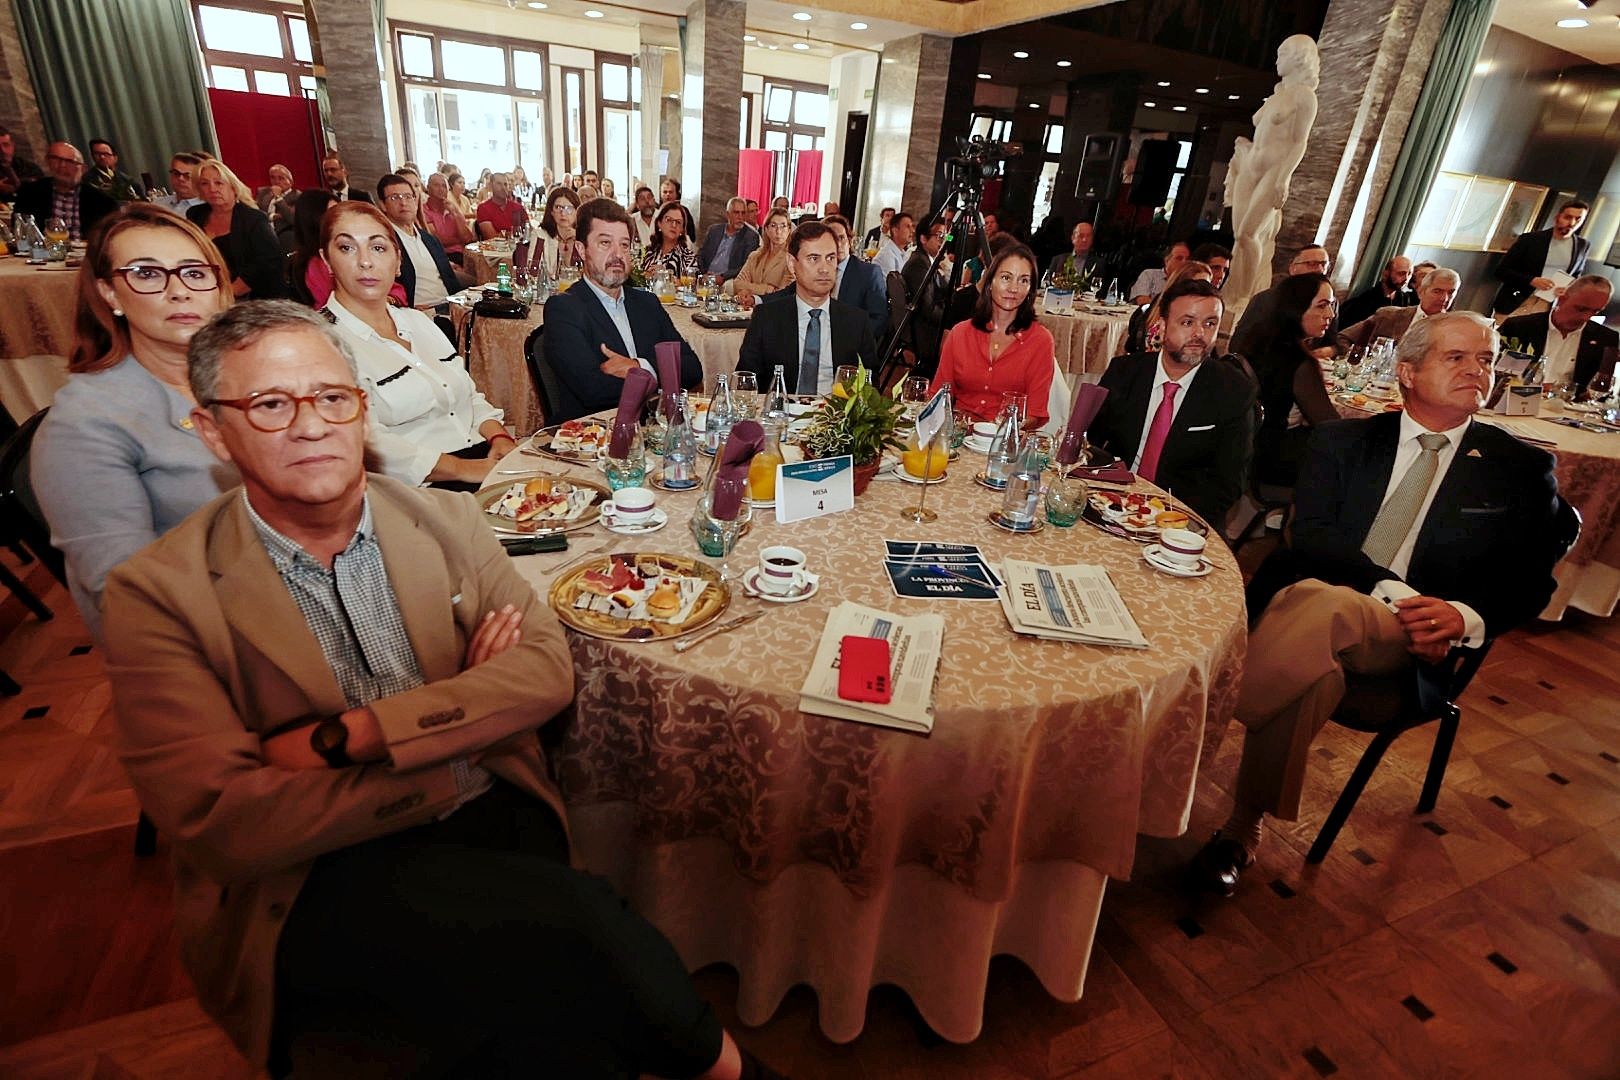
(458,196)
(766,269)
(1146,330)
(242,232)
(116,462)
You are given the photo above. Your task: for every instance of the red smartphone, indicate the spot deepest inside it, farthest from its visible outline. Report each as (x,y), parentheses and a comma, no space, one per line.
(863,669)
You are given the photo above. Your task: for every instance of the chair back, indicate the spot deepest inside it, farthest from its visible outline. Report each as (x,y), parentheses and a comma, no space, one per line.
(19,510)
(898,302)
(541,376)
(1566,527)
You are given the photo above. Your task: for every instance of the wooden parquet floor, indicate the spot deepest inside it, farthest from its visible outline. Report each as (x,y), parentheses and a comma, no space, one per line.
(1480,940)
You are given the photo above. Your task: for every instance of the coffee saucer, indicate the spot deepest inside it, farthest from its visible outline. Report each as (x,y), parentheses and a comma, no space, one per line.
(808,588)
(995,518)
(976,444)
(655,521)
(1153,555)
(657,481)
(900,473)
(984,481)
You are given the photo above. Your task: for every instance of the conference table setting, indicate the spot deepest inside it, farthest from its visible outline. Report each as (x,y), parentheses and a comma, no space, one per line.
(1052,689)
(36,330)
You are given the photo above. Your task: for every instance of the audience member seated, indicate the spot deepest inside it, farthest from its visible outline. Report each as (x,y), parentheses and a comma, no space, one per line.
(1291,385)
(642,219)
(860,284)
(1080,259)
(608,191)
(117,462)
(429,423)
(500,214)
(669,190)
(1176,420)
(1527,267)
(1572,347)
(555,249)
(106,177)
(766,270)
(1152,281)
(727,244)
(923,334)
(804,329)
(522,190)
(600,330)
(1420,273)
(424,269)
(64,194)
(891,257)
(459,198)
(15,169)
(1256,320)
(447,224)
(1002,348)
(336,175)
(1217,258)
(183,178)
(308,273)
(1415,533)
(1392,289)
(671,249)
(1439,290)
(280,189)
(1146,328)
(242,232)
(370,853)
(875,235)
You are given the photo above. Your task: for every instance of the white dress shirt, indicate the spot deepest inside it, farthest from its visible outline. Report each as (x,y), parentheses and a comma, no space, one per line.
(825,372)
(891,257)
(421,399)
(644,229)
(429,286)
(1155,395)
(1558,358)
(1406,453)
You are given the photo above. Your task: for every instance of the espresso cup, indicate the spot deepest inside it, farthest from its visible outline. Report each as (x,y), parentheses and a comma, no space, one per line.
(781,569)
(985,431)
(1182,547)
(633,505)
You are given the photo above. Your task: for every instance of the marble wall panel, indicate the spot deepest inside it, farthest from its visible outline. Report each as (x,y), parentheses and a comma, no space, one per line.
(711,105)
(19,112)
(343,35)
(903,148)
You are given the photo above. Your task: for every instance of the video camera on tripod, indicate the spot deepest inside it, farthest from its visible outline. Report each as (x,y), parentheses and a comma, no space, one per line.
(978,159)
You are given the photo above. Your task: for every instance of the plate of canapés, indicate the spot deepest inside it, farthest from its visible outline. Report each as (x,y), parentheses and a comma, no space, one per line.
(1136,515)
(542,504)
(579,442)
(639,596)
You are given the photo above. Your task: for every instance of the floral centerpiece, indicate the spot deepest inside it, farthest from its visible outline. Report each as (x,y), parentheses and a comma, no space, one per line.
(856,419)
(1077,279)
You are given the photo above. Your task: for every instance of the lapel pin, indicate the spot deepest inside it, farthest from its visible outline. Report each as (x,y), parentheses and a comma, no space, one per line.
(1474,453)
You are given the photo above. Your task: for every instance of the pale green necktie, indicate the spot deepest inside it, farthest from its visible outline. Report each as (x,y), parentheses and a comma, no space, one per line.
(1400,510)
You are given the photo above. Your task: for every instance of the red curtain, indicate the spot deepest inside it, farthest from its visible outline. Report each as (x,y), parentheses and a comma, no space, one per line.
(257,131)
(754,178)
(807,178)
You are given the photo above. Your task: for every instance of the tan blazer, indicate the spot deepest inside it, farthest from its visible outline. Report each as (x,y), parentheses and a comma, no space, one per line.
(761,275)
(207,651)
(1390,322)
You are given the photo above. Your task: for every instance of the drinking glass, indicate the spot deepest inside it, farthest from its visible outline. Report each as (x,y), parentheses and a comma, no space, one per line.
(629,470)
(1064,501)
(716,537)
(913,395)
(745,394)
(1013,398)
(843,379)
(1043,449)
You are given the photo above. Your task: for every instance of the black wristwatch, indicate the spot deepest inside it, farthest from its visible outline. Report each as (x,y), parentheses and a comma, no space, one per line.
(330,739)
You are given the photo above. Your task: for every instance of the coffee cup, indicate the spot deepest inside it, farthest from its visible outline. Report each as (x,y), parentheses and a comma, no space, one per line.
(633,505)
(984,430)
(781,569)
(1182,547)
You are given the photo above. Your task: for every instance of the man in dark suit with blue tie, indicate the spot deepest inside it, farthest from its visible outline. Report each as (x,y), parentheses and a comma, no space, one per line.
(1178,417)
(600,330)
(1415,534)
(803,328)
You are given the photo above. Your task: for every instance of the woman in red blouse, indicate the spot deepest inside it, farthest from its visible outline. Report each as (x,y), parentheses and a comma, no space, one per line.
(1002,348)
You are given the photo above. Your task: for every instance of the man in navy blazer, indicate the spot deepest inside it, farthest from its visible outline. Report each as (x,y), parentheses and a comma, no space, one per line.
(1415,534)
(1523,268)
(727,244)
(600,330)
(779,331)
(1570,315)
(1204,459)
(398,199)
(860,284)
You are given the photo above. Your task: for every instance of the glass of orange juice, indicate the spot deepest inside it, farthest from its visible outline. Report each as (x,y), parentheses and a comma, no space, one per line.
(762,469)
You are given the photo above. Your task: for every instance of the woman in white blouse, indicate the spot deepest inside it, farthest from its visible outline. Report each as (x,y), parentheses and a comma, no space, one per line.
(429,423)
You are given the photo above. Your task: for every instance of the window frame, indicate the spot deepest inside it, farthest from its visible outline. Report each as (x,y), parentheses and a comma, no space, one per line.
(287,64)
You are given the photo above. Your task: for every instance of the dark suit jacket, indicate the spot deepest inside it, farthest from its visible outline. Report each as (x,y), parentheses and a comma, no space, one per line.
(1487,540)
(36,196)
(1093,262)
(742,246)
(1526,259)
(1205,460)
(407,269)
(1366,303)
(251,251)
(359,195)
(1256,321)
(863,287)
(1532,330)
(577,326)
(772,338)
(923,332)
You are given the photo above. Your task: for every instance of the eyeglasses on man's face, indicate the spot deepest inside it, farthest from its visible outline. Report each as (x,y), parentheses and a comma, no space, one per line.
(277,410)
(151,278)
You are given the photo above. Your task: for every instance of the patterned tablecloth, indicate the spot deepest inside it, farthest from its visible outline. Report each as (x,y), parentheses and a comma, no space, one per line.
(1588,472)
(36,309)
(803,849)
(1086,340)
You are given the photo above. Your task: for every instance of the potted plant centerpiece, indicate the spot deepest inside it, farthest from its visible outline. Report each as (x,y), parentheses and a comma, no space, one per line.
(856,419)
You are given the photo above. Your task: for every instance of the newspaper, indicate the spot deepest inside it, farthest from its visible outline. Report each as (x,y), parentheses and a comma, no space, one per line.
(914,648)
(1067,603)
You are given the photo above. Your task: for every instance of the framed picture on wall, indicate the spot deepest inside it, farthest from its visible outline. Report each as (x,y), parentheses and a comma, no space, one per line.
(1518,214)
(1476,214)
(1439,208)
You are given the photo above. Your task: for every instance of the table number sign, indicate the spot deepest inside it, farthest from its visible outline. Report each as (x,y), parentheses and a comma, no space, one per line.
(807,489)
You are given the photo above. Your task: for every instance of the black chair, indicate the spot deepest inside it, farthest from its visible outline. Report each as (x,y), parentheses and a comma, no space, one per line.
(1268,497)
(903,356)
(1388,706)
(541,376)
(23,520)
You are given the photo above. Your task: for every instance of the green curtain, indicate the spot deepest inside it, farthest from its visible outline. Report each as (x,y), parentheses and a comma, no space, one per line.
(124,70)
(1432,119)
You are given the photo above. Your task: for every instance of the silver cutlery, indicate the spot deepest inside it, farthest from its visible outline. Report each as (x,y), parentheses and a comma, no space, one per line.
(723,628)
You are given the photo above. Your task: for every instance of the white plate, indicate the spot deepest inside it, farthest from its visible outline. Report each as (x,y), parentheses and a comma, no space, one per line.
(900,471)
(750,583)
(977,445)
(657,520)
(767,504)
(1153,555)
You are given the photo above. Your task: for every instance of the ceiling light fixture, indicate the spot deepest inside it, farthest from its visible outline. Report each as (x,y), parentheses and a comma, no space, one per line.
(1202,90)
(801,46)
(771,47)
(1020,55)
(984,74)
(1034,104)
(1178,108)
(857,26)
(1150,104)
(1572,24)
(594,14)
(750,37)
(1063,63)
(802,16)
(1164,83)
(1231,97)
(537,5)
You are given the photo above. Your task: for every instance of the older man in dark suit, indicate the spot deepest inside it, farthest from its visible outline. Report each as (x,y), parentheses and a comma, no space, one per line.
(1572,347)
(64,194)
(1415,533)
(1525,266)
(1439,290)
(1177,418)
(803,328)
(600,330)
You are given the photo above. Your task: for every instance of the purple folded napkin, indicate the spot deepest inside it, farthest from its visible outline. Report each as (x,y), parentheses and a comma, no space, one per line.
(669,374)
(1088,400)
(1103,474)
(637,385)
(731,475)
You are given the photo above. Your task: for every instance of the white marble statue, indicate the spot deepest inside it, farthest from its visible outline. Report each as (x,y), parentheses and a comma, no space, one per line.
(1257,179)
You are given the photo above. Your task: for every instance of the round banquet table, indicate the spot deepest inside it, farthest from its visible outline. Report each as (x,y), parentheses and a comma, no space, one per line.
(36,333)
(498,367)
(1588,472)
(799,848)
(1086,340)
